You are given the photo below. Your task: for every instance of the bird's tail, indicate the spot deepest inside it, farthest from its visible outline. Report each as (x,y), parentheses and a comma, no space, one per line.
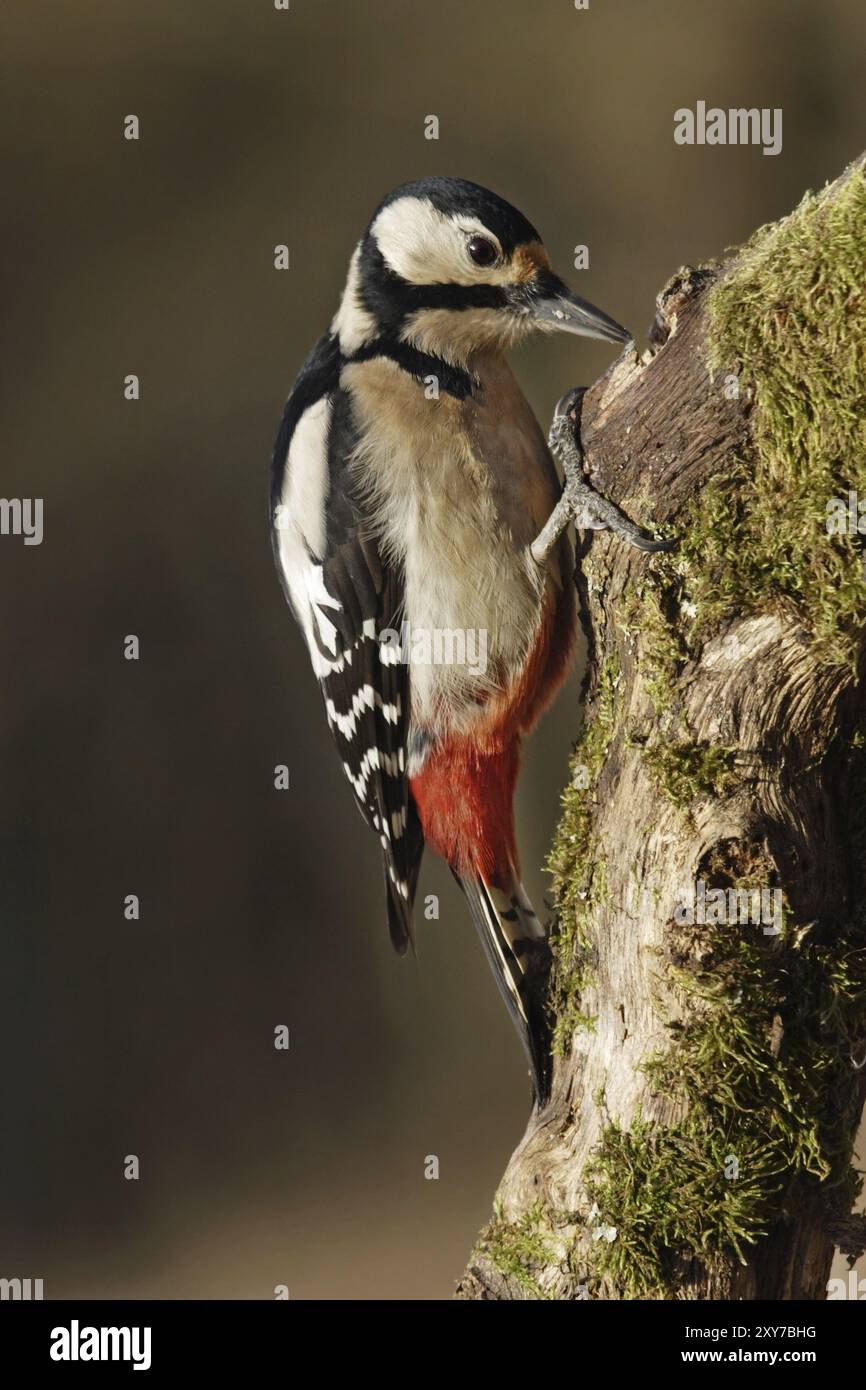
(516,947)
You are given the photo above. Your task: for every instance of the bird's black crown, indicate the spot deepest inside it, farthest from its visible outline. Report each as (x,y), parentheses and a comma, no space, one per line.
(460,196)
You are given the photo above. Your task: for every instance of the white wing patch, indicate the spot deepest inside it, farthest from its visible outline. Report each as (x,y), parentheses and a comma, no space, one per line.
(319,598)
(305,484)
(300,525)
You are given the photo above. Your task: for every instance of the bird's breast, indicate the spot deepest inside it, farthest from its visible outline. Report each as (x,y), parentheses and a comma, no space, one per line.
(458,490)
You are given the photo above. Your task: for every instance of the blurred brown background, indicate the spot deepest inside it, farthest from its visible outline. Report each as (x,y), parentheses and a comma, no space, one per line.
(156,1038)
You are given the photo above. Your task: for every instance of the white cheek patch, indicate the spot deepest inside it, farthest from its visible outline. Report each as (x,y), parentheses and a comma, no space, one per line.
(353,324)
(428,247)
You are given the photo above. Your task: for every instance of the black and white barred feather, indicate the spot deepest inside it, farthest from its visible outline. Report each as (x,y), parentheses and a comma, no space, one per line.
(345,596)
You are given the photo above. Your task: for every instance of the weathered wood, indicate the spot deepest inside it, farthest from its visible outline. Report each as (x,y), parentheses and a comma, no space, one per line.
(727,758)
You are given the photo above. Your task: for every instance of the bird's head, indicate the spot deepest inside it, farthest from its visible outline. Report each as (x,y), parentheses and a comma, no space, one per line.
(451,269)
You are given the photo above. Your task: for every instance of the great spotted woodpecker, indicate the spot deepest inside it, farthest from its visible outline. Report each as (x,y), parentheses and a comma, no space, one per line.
(413,491)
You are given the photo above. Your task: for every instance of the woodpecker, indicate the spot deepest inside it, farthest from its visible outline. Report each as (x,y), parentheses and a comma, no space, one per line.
(412,490)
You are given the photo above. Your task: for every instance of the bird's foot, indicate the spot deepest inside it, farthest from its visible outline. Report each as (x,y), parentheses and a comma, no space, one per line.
(590,510)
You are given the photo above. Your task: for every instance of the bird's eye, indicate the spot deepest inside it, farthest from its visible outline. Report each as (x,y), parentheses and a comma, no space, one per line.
(482,251)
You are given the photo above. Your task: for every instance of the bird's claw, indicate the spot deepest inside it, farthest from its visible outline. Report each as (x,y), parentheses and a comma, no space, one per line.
(590,510)
(564,435)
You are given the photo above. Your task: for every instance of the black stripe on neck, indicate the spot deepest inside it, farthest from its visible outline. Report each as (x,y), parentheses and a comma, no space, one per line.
(454,381)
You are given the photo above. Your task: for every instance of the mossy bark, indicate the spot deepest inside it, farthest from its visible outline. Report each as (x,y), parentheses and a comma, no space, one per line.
(709,1074)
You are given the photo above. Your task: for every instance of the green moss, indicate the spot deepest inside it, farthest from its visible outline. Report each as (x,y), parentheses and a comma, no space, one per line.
(682,768)
(572,858)
(790,319)
(758,1069)
(667,1197)
(663,651)
(761,1069)
(787,324)
(577,865)
(519,1249)
(686,770)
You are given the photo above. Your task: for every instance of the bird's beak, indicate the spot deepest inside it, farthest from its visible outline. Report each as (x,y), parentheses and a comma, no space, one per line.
(553,305)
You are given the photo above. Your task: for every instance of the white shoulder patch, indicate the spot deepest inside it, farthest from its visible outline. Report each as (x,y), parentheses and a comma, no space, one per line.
(300,524)
(305,483)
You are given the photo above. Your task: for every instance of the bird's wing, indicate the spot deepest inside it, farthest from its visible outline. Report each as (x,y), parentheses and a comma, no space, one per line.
(345,596)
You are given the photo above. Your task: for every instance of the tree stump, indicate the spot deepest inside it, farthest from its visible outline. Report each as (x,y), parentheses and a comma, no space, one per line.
(708,987)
